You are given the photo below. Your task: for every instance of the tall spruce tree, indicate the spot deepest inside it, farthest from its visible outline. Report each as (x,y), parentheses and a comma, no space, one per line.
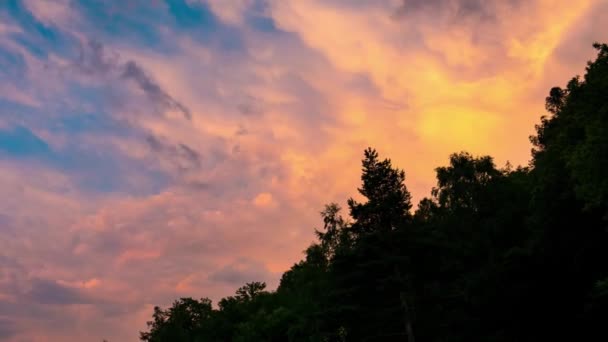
(369,277)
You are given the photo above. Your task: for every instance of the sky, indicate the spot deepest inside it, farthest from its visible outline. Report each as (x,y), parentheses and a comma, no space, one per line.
(157,149)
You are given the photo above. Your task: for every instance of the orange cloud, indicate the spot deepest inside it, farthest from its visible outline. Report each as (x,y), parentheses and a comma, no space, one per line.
(264,200)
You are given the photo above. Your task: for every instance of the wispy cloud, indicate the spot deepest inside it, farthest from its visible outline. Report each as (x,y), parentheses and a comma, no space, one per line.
(152,90)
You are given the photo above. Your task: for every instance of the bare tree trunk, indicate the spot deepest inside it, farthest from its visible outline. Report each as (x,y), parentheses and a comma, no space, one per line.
(408,321)
(409,330)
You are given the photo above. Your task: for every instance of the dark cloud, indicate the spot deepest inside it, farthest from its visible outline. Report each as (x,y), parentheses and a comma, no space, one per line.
(362,84)
(241,271)
(8,263)
(462,7)
(94,60)
(105,242)
(5,225)
(154,92)
(11,274)
(250,106)
(155,144)
(457,9)
(241,131)
(45,291)
(7,328)
(180,155)
(200,185)
(189,153)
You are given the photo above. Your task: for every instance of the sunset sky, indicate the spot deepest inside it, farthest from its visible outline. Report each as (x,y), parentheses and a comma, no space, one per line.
(151,150)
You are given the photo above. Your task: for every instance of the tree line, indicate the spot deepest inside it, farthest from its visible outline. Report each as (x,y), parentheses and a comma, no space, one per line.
(493,254)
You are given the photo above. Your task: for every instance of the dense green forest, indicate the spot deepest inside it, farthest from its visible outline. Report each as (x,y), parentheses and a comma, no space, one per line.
(494,254)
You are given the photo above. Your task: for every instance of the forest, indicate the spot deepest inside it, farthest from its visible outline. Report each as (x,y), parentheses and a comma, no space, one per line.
(493,254)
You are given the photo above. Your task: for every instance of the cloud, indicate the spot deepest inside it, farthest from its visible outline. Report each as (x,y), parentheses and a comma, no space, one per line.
(7,328)
(153,91)
(240,272)
(280,99)
(93,60)
(459,10)
(230,11)
(45,291)
(182,156)
(50,12)
(250,106)
(263,200)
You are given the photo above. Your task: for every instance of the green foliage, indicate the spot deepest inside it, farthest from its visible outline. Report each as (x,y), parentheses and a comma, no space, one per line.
(492,255)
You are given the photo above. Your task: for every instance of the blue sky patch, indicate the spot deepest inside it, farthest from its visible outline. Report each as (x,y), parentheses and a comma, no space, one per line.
(19,141)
